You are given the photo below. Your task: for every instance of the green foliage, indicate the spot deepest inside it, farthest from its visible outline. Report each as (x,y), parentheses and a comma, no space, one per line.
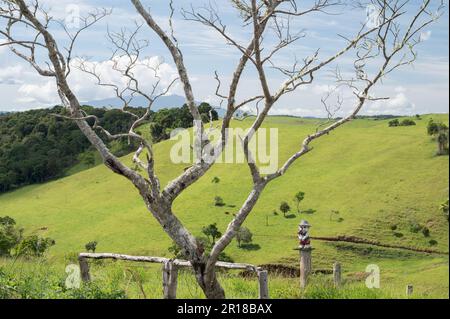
(212,232)
(299,197)
(166,120)
(34,246)
(10,235)
(434,128)
(176,251)
(285,208)
(426,232)
(91,246)
(215,180)
(42,284)
(394,123)
(407,122)
(244,235)
(36,146)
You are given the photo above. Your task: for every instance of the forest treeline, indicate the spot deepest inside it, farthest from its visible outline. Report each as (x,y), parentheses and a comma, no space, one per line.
(37,146)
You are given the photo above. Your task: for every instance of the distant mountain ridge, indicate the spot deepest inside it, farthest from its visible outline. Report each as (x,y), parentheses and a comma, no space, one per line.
(169,101)
(164,102)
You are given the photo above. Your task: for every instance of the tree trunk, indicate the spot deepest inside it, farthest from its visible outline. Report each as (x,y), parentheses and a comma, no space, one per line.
(208,282)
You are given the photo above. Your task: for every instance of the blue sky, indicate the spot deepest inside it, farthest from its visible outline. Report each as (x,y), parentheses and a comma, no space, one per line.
(422,88)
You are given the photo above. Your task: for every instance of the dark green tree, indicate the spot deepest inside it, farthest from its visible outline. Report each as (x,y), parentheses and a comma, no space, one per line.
(212,232)
(285,208)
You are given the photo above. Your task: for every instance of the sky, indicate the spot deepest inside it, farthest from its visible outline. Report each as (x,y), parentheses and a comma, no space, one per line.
(414,89)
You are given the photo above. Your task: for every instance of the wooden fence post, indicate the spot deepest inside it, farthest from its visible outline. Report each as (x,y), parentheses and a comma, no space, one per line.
(337,275)
(409,290)
(170,280)
(84,269)
(305,252)
(305,266)
(263,284)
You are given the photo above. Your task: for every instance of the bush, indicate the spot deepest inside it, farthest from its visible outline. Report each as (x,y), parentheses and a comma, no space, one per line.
(10,235)
(91,246)
(407,122)
(394,123)
(394,227)
(433,242)
(34,246)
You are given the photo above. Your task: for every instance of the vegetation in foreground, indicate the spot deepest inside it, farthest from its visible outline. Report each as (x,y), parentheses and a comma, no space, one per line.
(398,167)
(41,279)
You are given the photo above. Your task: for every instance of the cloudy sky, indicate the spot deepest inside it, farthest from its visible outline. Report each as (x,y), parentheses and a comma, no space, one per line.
(419,88)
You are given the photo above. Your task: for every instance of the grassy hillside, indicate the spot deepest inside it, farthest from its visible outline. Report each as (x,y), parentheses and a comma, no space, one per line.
(375,176)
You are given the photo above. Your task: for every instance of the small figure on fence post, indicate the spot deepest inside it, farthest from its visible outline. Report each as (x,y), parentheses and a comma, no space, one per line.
(305,252)
(303,235)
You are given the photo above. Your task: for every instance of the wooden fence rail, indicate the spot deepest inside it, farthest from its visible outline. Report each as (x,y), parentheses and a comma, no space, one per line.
(170,270)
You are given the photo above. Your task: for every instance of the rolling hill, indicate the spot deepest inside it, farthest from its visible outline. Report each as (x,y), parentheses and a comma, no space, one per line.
(382,180)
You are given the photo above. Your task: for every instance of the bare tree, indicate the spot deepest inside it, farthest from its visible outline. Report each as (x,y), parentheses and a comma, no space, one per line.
(384,47)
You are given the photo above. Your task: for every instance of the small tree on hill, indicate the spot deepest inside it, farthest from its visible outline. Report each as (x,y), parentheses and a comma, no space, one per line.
(212,232)
(244,235)
(285,208)
(299,197)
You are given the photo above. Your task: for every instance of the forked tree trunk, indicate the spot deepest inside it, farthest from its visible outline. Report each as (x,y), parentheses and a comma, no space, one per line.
(208,282)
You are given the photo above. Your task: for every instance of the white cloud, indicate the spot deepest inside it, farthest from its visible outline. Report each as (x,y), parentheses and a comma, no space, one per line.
(43,91)
(398,105)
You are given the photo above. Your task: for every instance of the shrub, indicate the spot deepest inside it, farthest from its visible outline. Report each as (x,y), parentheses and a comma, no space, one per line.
(407,122)
(394,227)
(10,235)
(34,246)
(394,123)
(91,246)
(433,242)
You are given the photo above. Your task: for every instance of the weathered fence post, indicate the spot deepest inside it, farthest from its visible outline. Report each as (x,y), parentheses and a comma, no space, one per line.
(409,290)
(84,269)
(263,284)
(170,280)
(337,275)
(305,253)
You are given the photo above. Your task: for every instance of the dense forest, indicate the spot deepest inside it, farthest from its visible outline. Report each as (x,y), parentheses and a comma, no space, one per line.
(37,146)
